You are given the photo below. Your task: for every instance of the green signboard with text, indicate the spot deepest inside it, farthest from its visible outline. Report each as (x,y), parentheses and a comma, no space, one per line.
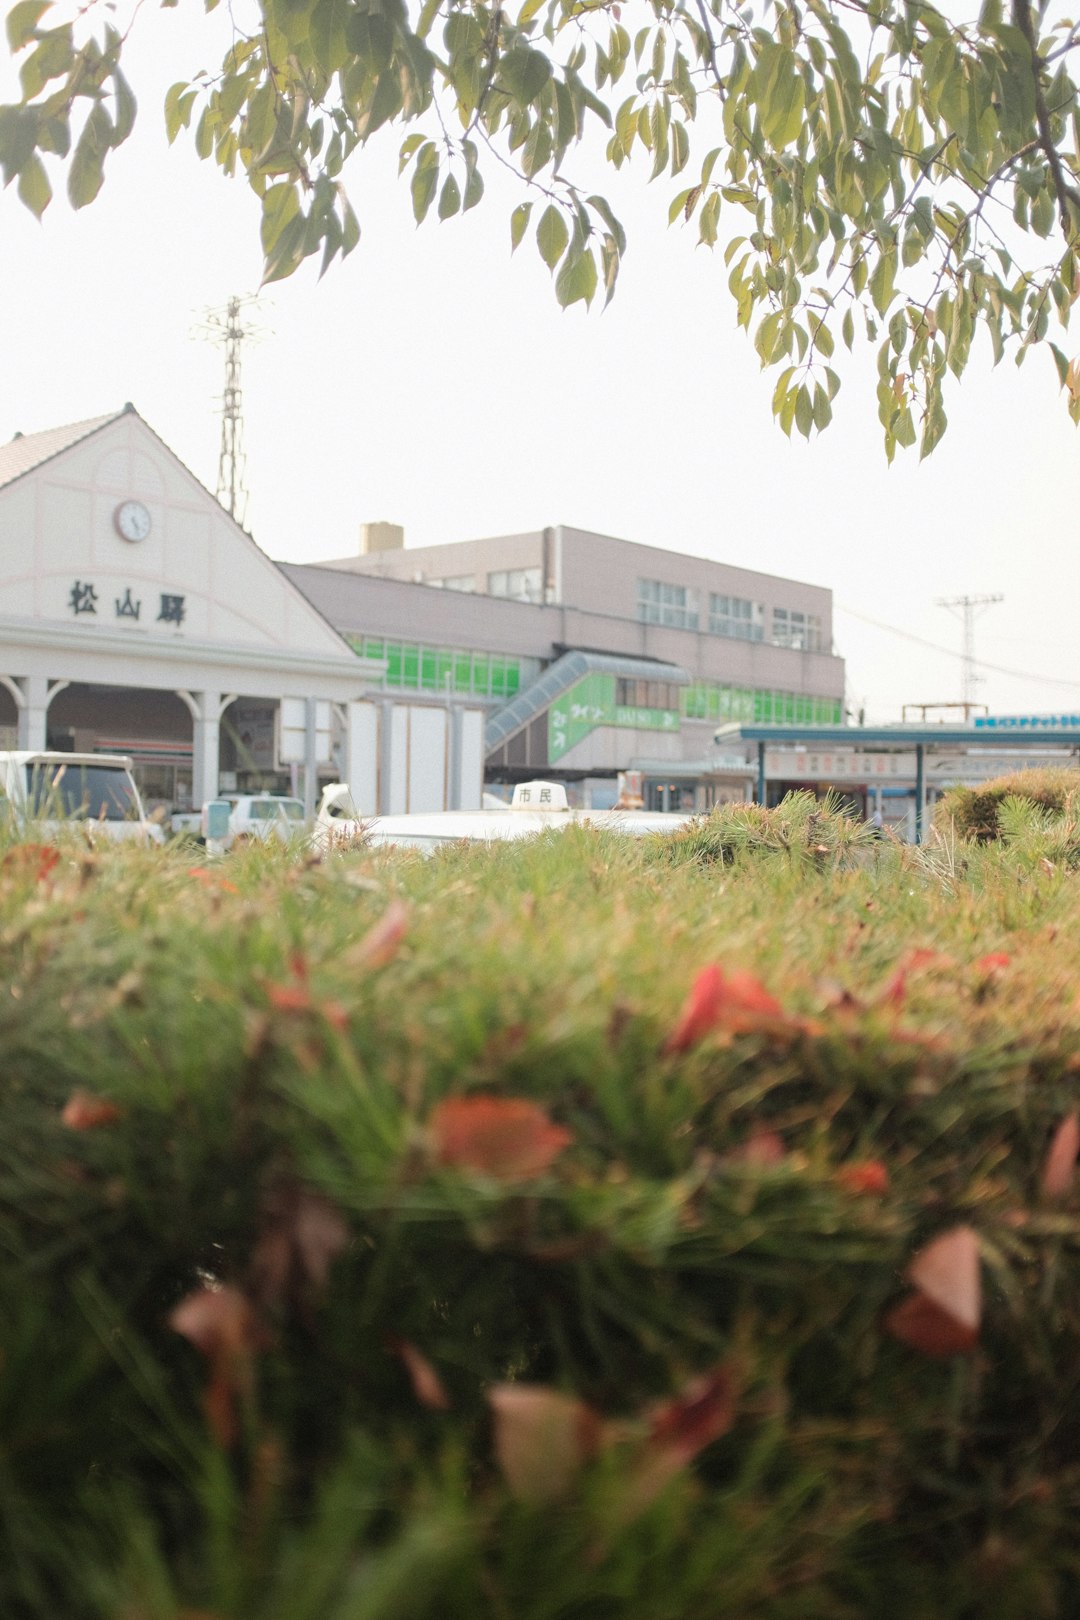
(591,703)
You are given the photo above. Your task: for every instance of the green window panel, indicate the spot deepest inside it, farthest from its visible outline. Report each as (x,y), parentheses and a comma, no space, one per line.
(481,674)
(429,669)
(498,677)
(374,649)
(393,663)
(462,672)
(410,668)
(513,679)
(444,673)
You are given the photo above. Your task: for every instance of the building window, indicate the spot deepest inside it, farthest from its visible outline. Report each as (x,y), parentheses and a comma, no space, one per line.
(646,694)
(801,631)
(661,603)
(455,582)
(518,584)
(446,670)
(737,617)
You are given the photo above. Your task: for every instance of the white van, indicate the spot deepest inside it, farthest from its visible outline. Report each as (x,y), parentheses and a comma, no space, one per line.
(41,791)
(536,807)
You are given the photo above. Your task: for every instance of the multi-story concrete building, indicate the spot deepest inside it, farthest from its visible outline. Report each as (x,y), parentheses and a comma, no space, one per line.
(592,654)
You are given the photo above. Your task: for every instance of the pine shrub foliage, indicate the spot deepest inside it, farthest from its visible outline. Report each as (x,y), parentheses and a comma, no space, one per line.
(548,1232)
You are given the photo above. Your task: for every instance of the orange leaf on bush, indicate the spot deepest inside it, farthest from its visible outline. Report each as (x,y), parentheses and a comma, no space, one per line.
(426,1383)
(1059,1167)
(942,1316)
(869,1178)
(739,1003)
(543,1439)
(40,859)
(85,1112)
(222,1325)
(509,1138)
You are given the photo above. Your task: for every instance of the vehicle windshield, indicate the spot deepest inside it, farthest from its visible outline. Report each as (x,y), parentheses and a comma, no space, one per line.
(94,792)
(270,809)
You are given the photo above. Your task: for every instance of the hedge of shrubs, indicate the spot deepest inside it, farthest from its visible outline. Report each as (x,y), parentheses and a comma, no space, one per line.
(975,813)
(544,1233)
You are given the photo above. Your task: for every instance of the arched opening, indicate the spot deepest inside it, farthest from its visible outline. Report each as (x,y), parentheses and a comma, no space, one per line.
(153,726)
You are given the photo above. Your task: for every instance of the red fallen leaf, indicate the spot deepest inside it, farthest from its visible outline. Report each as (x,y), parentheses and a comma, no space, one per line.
(679,1429)
(427,1385)
(700,1414)
(739,1003)
(1059,1167)
(920,956)
(995,962)
(85,1112)
(297,998)
(942,1316)
(289,998)
(505,1137)
(302,1234)
(867,1179)
(382,943)
(222,1325)
(211,880)
(40,859)
(543,1439)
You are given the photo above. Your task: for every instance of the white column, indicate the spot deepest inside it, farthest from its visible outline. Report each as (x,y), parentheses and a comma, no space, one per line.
(205,709)
(35,689)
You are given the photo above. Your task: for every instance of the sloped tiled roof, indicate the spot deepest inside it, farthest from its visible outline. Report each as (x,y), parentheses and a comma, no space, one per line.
(28,450)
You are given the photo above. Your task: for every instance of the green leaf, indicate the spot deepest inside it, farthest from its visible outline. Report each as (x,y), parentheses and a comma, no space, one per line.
(34,188)
(577,280)
(22,20)
(88,162)
(424,181)
(519,220)
(326,34)
(125,108)
(280,205)
(524,73)
(552,236)
(179,100)
(449,198)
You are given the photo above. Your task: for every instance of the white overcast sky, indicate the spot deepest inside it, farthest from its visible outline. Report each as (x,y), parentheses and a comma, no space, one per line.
(433,381)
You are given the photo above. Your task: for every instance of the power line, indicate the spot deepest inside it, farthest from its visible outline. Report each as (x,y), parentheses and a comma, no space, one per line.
(951,652)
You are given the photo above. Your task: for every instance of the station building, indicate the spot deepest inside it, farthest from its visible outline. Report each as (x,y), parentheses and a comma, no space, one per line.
(136,616)
(592,655)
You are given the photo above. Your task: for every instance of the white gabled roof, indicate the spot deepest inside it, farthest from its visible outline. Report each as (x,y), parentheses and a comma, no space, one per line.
(28,450)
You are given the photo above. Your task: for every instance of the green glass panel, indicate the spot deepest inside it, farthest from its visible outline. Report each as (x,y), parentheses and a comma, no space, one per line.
(373,649)
(410,667)
(462,672)
(498,677)
(445,670)
(789,709)
(513,678)
(393,663)
(429,669)
(481,674)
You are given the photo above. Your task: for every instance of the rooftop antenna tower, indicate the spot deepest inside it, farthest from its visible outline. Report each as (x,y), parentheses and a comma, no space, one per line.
(229,328)
(968,608)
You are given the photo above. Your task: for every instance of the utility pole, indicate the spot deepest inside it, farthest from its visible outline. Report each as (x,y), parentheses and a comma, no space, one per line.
(228,328)
(967,608)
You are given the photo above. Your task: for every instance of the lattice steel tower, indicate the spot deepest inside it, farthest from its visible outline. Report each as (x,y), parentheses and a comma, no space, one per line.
(968,607)
(228,328)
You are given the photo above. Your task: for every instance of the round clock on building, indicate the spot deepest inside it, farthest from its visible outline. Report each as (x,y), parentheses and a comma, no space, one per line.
(132,520)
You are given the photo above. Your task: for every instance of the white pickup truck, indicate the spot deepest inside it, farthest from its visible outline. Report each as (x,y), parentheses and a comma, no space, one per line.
(536,807)
(42,791)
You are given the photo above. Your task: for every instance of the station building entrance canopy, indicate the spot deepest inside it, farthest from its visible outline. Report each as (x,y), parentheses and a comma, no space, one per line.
(914,756)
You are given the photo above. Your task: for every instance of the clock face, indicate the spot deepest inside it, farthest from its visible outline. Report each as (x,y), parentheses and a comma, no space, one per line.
(132,520)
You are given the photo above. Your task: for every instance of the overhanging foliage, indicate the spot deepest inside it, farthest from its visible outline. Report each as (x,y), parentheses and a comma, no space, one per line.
(875,170)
